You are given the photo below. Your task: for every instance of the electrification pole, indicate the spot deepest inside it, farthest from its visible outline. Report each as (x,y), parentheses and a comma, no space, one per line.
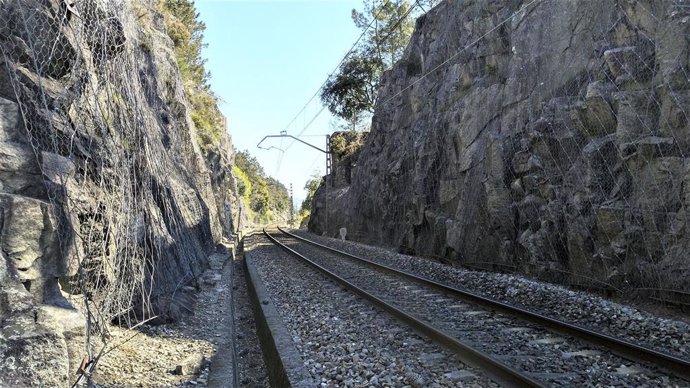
(327,151)
(292,207)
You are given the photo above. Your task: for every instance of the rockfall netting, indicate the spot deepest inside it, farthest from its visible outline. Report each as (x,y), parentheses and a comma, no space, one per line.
(107,143)
(546,137)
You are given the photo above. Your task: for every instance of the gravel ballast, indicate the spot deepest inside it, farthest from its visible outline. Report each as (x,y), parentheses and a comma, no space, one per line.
(204,349)
(251,369)
(553,359)
(175,354)
(344,341)
(629,323)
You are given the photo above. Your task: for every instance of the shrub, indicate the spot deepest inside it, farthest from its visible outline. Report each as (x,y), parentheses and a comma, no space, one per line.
(187,33)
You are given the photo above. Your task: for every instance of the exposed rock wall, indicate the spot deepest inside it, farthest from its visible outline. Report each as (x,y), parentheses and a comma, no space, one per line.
(219,159)
(551,136)
(345,149)
(104,193)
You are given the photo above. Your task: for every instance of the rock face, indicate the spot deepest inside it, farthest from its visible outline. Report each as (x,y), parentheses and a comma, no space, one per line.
(345,149)
(104,193)
(550,136)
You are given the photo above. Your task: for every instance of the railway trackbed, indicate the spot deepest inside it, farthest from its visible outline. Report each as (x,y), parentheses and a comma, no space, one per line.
(513,346)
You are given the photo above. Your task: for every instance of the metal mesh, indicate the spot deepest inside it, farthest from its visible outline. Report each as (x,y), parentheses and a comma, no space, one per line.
(584,183)
(102,115)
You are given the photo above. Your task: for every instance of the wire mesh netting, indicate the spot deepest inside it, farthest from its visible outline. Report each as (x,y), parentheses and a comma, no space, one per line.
(555,149)
(102,116)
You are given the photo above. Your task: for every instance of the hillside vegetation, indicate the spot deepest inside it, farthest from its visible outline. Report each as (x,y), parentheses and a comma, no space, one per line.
(185,29)
(350,93)
(311,186)
(267,199)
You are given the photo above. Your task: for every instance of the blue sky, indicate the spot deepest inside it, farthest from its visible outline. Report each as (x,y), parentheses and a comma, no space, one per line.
(267,59)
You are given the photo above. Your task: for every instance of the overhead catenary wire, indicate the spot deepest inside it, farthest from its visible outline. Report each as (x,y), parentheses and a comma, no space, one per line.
(390,32)
(342,60)
(621,173)
(311,121)
(397,23)
(409,11)
(350,51)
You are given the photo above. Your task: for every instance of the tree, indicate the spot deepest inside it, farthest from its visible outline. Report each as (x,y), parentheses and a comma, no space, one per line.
(351,92)
(391,27)
(354,88)
(280,198)
(311,186)
(264,195)
(187,33)
(249,164)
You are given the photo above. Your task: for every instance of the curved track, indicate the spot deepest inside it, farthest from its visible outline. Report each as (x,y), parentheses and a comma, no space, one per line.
(516,347)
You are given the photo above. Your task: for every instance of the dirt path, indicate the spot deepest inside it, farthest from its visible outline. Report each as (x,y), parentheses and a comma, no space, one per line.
(198,350)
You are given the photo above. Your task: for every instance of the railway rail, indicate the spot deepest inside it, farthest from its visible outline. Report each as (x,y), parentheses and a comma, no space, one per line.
(340,338)
(514,346)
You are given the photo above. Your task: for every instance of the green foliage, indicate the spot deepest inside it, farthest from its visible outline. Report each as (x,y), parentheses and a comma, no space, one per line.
(249,164)
(311,186)
(346,143)
(353,89)
(208,120)
(264,195)
(350,94)
(244,185)
(392,26)
(280,194)
(187,33)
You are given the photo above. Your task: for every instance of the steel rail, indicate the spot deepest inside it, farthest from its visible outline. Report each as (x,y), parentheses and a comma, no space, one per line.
(676,365)
(494,369)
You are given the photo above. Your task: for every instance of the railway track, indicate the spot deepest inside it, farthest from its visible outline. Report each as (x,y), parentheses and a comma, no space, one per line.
(515,347)
(341,339)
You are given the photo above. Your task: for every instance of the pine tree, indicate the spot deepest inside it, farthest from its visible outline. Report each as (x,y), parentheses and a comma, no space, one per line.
(391,27)
(350,94)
